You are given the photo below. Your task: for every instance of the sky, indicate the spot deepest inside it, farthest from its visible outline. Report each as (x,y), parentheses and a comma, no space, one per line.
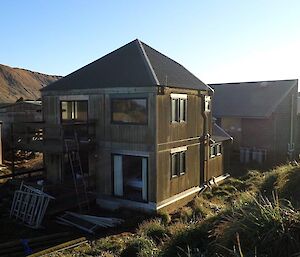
(217,40)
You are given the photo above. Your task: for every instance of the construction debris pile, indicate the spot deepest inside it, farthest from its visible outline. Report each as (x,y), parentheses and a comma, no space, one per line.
(87,223)
(30,205)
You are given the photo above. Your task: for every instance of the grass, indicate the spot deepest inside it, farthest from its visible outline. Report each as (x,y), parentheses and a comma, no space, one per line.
(153,229)
(255,215)
(139,247)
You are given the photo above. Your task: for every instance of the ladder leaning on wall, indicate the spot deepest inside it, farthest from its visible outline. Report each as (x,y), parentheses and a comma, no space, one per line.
(72,149)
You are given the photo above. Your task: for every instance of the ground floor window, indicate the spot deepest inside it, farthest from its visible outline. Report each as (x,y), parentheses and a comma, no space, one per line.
(130,177)
(252,155)
(215,150)
(178,161)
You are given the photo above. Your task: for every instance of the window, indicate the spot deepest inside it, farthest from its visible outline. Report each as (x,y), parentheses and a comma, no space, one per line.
(129,110)
(178,107)
(178,163)
(207,101)
(74,111)
(252,155)
(215,150)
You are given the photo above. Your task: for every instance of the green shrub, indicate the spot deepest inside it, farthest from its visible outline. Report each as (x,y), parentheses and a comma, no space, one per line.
(140,247)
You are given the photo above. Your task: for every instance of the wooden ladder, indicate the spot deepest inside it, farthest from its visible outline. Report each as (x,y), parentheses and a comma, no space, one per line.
(72,149)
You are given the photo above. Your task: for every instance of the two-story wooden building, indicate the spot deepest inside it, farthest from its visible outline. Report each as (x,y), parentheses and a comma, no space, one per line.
(143,123)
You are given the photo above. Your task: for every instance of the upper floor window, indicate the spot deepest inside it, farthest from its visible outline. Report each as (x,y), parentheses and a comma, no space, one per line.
(74,111)
(207,103)
(178,161)
(129,110)
(178,107)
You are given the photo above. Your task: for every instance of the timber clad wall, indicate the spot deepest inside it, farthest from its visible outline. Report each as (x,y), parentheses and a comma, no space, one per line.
(110,138)
(216,166)
(260,115)
(234,127)
(283,123)
(272,133)
(19,112)
(219,164)
(172,135)
(167,186)
(154,140)
(257,132)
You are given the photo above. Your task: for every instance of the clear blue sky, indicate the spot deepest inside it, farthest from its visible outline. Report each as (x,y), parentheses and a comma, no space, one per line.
(218,41)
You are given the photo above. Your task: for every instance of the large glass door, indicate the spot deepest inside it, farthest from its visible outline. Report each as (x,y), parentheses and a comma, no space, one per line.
(131,177)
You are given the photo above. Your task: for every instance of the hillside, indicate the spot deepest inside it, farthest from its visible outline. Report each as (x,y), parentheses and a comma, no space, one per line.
(16,83)
(255,215)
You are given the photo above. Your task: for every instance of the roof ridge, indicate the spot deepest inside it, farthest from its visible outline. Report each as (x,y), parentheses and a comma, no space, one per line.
(251,82)
(148,63)
(142,43)
(177,63)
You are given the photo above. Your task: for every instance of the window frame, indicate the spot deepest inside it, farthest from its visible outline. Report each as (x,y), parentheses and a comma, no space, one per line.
(66,121)
(178,168)
(215,150)
(177,115)
(128,123)
(207,104)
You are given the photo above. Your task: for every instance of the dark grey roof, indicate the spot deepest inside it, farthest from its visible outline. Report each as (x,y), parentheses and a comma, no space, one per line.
(250,99)
(133,65)
(219,134)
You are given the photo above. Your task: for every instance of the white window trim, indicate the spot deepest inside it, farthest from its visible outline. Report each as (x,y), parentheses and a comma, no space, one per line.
(178,118)
(219,149)
(74,98)
(179,149)
(178,96)
(219,153)
(207,103)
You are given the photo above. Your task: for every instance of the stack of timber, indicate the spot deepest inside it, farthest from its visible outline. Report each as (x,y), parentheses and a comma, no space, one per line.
(60,247)
(24,247)
(87,223)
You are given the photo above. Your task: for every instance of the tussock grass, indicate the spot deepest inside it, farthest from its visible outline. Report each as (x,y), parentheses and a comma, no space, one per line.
(153,229)
(140,247)
(270,227)
(193,237)
(244,217)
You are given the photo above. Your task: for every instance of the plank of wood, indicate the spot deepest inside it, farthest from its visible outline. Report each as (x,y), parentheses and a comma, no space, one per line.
(66,245)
